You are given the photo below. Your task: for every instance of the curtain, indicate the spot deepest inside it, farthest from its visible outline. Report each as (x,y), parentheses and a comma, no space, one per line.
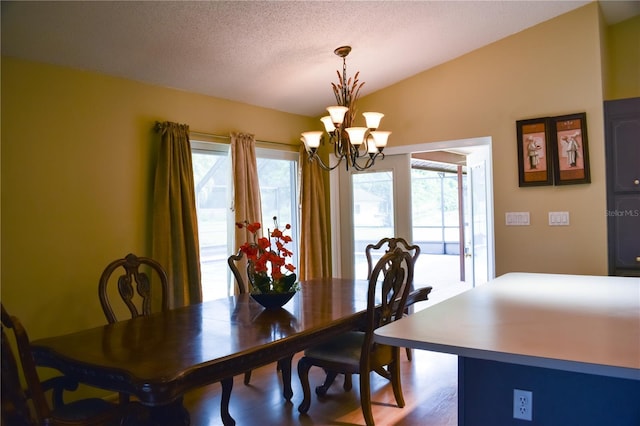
(246,191)
(314,233)
(175,226)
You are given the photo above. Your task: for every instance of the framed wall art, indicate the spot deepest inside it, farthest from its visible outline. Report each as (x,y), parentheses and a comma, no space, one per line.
(570,147)
(534,155)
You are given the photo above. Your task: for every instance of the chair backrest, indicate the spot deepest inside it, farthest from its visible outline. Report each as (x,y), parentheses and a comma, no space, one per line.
(15,399)
(389,286)
(233,262)
(131,264)
(391,244)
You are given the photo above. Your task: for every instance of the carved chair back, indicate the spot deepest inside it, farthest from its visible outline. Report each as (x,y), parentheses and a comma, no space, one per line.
(234,261)
(137,298)
(391,280)
(389,244)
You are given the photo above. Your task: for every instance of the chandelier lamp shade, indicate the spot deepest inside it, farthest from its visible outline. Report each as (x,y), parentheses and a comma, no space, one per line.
(359,147)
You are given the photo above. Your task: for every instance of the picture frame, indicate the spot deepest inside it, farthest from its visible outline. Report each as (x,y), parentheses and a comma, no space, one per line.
(535,167)
(570,148)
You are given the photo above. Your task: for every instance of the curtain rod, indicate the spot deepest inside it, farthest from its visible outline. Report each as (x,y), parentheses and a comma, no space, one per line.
(228,138)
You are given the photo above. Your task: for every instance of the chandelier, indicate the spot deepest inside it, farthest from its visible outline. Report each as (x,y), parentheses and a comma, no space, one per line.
(358,146)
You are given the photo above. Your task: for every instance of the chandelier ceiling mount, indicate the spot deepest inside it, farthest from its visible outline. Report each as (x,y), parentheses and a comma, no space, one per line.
(342,51)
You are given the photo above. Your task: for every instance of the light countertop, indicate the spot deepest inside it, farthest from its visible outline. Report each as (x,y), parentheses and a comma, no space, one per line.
(580,323)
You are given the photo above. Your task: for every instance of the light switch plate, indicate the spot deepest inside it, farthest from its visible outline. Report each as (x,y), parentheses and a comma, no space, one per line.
(558,218)
(517,218)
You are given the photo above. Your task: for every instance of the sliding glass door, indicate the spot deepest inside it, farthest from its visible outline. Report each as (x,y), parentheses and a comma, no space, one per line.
(278,176)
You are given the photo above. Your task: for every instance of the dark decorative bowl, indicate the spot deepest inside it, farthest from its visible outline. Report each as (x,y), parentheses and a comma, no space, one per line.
(272,300)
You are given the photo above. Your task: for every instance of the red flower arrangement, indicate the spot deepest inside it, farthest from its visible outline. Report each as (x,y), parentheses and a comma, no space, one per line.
(264,259)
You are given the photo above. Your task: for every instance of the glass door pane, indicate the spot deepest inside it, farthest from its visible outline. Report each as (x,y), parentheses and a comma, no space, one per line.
(376,204)
(211,179)
(373,214)
(278,189)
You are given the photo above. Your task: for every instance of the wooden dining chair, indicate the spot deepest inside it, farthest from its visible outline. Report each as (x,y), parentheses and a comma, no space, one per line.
(388,244)
(284,365)
(46,398)
(355,352)
(138,300)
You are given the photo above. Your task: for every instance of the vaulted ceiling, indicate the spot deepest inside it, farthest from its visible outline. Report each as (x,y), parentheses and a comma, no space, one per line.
(275,54)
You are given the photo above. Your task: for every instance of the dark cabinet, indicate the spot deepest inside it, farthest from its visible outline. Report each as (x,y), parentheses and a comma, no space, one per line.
(622,147)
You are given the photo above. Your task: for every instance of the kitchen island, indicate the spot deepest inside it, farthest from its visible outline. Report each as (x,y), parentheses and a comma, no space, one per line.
(571,340)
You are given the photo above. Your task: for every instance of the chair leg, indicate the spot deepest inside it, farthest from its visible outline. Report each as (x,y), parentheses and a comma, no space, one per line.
(365,399)
(383,372)
(247,377)
(348,384)
(303,373)
(328,381)
(394,370)
(408,311)
(284,365)
(227,386)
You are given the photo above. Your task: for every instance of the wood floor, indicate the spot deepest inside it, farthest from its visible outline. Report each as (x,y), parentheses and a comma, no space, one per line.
(429,386)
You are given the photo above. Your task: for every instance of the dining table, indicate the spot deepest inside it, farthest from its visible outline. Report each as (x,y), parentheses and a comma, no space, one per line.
(158,358)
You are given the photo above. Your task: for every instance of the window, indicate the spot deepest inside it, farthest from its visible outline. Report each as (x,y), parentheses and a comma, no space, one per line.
(278,176)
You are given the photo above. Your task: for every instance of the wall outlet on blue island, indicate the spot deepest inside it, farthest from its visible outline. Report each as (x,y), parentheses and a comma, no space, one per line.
(522,404)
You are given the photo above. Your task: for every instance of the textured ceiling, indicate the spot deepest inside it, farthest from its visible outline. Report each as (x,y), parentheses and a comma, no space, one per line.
(275,54)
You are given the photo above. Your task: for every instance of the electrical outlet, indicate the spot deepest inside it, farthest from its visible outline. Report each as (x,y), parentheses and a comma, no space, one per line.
(522,404)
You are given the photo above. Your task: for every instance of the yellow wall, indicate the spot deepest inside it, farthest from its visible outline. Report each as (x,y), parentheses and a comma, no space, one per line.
(623,59)
(78,149)
(78,156)
(549,70)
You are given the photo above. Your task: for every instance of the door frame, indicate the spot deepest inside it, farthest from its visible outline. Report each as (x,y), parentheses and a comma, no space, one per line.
(481,250)
(459,145)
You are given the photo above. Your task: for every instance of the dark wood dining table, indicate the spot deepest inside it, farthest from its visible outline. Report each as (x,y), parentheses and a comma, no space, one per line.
(158,358)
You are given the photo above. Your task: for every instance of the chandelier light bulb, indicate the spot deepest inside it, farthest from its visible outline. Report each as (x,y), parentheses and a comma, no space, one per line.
(373,119)
(356,135)
(380,138)
(372,149)
(337,114)
(328,124)
(312,139)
